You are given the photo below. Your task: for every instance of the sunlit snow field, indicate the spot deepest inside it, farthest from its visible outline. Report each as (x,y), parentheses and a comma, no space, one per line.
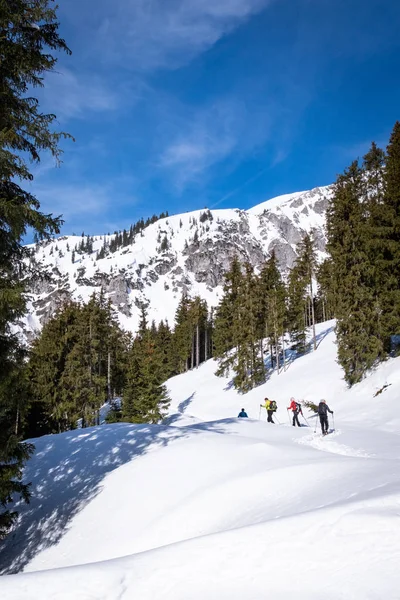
(208,506)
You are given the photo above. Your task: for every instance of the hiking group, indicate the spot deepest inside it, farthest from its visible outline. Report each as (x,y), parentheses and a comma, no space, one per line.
(294,406)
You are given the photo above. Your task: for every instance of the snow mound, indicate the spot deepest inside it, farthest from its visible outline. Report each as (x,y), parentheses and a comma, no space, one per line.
(211,506)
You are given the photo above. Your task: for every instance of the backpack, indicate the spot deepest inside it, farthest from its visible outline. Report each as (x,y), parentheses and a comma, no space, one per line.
(273,406)
(298,407)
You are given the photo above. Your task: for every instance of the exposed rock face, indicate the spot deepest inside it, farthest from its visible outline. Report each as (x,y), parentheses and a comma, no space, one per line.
(199,248)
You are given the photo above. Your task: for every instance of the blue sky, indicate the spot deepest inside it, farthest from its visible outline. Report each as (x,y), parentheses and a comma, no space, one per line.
(180,104)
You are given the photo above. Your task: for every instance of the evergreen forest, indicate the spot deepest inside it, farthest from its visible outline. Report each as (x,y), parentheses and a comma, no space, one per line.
(82,359)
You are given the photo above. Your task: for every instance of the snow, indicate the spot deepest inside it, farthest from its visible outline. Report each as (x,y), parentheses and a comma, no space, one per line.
(137,263)
(210,506)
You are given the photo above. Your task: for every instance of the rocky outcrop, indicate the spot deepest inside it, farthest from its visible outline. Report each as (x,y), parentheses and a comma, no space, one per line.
(197,252)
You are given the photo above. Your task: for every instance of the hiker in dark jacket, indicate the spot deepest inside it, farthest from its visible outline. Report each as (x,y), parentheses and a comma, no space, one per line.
(323,410)
(242,413)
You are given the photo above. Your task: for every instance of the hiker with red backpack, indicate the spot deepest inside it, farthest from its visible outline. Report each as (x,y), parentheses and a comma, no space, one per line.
(295,407)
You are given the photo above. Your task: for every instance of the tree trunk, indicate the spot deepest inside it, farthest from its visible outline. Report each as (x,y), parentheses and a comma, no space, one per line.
(206,342)
(197,345)
(313,315)
(17,420)
(262,359)
(277,351)
(283,351)
(109,376)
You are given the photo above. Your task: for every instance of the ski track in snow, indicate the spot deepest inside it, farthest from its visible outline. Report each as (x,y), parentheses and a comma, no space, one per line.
(326,444)
(210,506)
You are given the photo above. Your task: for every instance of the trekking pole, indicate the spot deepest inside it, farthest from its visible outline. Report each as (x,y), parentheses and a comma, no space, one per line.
(305,419)
(288,415)
(316,422)
(279,423)
(259,414)
(333,420)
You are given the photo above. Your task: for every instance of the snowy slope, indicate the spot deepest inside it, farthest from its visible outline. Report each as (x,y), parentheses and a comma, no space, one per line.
(210,506)
(198,254)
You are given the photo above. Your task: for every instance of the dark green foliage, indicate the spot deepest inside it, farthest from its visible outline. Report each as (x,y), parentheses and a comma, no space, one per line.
(327,293)
(145,398)
(386,248)
(297,298)
(206,216)
(249,362)
(310,405)
(28,36)
(301,306)
(125,238)
(164,244)
(273,309)
(191,340)
(75,366)
(226,335)
(251,309)
(357,310)
(164,340)
(114,415)
(183,334)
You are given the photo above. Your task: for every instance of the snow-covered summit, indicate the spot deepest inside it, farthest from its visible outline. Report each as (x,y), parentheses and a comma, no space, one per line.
(188,252)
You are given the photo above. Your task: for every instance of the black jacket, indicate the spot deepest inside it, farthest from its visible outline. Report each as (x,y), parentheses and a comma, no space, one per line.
(323,408)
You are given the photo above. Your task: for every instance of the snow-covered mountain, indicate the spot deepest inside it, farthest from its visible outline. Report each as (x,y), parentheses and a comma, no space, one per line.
(188,252)
(211,506)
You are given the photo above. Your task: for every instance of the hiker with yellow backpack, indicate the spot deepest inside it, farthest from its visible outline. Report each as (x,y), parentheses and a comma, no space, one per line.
(271,407)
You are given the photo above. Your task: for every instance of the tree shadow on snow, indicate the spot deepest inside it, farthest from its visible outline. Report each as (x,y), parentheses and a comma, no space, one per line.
(182,406)
(67,472)
(290,357)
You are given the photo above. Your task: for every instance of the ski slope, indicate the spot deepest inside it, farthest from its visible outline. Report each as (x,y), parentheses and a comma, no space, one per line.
(211,506)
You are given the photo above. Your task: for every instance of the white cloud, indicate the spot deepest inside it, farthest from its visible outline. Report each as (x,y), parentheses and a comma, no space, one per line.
(73,200)
(204,139)
(228,129)
(169,33)
(70,95)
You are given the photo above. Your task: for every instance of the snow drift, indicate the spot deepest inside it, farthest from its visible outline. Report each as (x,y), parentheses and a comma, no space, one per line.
(211,506)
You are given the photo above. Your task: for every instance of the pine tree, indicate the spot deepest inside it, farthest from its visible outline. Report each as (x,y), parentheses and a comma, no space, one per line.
(198,314)
(249,363)
(182,341)
(327,292)
(307,264)
(145,398)
(76,364)
(164,341)
(348,228)
(52,410)
(296,308)
(387,240)
(29,34)
(273,308)
(226,339)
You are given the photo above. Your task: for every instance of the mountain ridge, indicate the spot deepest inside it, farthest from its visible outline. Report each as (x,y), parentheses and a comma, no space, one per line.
(183,253)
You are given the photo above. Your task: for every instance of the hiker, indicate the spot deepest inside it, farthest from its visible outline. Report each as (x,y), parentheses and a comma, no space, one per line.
(323,410)
(243,413)
(295,407)
(271,407)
